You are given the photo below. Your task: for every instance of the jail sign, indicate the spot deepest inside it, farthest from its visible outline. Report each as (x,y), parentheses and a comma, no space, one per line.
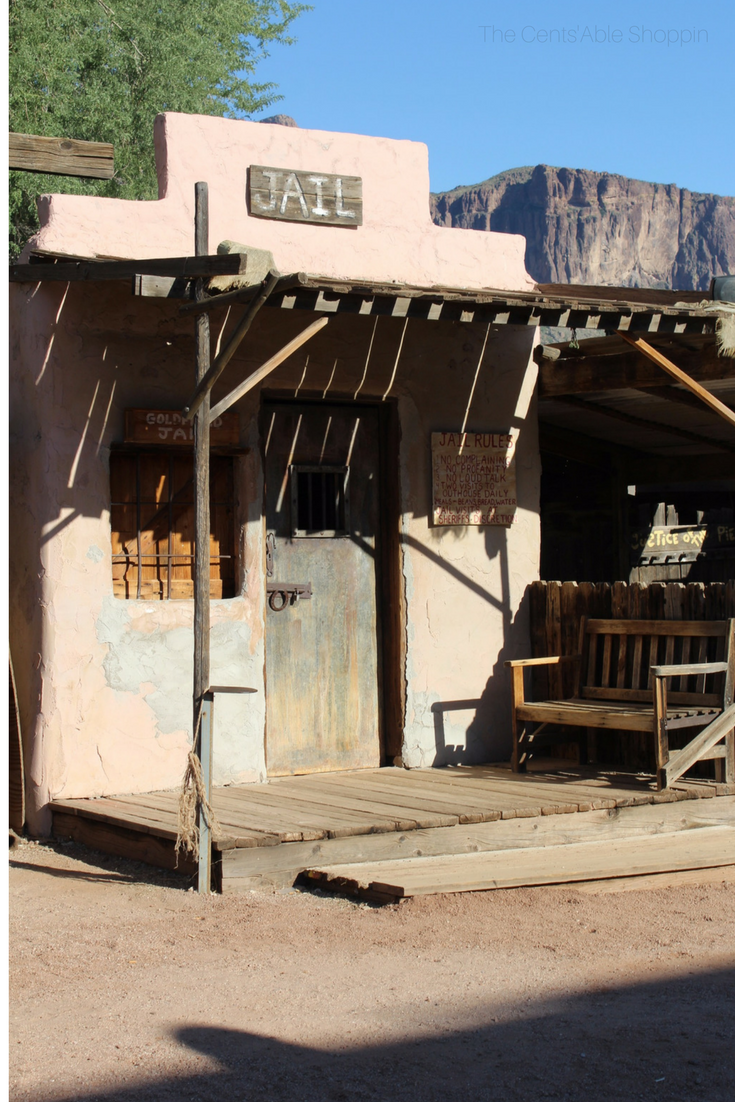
(295,195)
(473,477)
(168,426)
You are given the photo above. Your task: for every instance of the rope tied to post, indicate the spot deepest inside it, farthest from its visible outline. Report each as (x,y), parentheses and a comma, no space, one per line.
(193,798)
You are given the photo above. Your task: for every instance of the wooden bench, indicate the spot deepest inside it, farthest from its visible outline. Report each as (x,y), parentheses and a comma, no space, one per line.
(655,676)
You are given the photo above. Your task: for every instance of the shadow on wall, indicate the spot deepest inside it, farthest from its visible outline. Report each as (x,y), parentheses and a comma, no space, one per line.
(671,1040)
(492,709)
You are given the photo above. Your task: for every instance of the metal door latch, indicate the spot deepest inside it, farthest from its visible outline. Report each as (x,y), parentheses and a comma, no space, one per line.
(270,547)
(282,594)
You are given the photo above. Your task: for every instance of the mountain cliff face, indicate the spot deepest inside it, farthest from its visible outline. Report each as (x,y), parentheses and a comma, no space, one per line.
(595,227)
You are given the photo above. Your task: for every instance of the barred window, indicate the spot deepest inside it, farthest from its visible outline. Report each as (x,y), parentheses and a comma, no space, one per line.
(320,503)
(152,521)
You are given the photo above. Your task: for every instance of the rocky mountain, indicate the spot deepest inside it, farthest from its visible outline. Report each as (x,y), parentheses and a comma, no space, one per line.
(596,227)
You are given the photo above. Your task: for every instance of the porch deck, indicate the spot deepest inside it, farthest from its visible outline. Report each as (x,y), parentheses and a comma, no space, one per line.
(270,833)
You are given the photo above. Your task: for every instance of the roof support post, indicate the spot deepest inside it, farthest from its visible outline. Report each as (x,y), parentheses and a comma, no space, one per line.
(202,722)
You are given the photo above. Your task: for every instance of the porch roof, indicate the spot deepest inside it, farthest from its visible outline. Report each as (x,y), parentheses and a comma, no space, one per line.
(637,310)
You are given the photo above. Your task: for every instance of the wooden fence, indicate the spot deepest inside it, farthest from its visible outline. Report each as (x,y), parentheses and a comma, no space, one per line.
(557,608)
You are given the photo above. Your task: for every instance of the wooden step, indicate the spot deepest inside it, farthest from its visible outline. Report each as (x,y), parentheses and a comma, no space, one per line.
(698,848)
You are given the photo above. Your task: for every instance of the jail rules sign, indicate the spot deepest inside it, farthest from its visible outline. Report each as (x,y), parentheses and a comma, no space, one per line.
(473,478)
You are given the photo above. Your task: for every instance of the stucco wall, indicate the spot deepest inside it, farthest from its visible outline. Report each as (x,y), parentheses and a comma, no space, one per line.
(397,241)
(105,684)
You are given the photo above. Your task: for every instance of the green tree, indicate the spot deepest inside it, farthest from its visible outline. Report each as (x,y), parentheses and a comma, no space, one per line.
(101,71)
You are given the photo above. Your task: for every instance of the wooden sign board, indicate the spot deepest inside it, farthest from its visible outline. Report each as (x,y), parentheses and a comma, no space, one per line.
(683,543)
(167,426)
(296,195)
(473,478)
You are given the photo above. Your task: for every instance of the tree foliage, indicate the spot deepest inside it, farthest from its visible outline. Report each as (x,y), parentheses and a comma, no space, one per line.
(101,70)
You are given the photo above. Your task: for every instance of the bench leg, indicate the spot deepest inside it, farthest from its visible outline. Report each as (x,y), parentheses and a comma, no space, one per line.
(519,760)
(519,757)
(725,767)
(662,734)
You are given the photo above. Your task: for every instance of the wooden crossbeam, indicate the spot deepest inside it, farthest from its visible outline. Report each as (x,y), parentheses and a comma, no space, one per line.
(74,271)
(681,376)
(61,156)
(626,370)
(243,295)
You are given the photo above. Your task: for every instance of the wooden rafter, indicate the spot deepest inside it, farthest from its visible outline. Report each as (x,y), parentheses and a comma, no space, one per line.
(681,376)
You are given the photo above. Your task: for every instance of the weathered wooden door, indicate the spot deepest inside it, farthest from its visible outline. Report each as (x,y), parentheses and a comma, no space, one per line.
(322,514)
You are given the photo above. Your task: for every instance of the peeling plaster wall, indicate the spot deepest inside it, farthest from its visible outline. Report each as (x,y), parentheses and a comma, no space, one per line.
(105,684)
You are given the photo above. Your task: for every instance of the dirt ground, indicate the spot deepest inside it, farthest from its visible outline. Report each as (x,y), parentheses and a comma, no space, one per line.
(127,986)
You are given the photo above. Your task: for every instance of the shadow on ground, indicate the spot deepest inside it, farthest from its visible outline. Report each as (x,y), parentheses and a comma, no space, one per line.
(671,1041)
(112,869)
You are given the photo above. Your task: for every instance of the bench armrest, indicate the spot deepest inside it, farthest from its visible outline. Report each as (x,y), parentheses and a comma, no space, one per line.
(689,668)
(553,660)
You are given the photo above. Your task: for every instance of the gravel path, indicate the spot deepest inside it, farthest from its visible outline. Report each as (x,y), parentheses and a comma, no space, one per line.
(126,986)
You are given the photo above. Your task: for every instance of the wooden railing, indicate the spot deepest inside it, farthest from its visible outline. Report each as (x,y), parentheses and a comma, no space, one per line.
(556,609)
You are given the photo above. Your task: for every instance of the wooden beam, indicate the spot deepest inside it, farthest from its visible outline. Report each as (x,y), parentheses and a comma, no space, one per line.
(61,156)
(624,371)
(243,294)
(653,296)
(205,385)
(643,422)
(74,271)
(202,707)
(681,376)
(261,372)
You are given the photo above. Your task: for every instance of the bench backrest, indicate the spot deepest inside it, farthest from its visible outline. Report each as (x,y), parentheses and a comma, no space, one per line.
(617,656)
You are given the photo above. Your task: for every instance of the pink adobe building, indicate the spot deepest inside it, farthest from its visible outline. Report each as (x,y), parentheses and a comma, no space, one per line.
(336,471)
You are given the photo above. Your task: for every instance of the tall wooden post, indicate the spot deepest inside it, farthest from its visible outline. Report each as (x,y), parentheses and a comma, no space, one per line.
(201,536)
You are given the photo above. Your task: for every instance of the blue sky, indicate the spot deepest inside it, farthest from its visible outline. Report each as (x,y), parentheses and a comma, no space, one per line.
(642,89)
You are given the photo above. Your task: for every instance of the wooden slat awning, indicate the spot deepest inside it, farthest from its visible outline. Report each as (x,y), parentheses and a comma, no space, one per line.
(486,306)
(572,308)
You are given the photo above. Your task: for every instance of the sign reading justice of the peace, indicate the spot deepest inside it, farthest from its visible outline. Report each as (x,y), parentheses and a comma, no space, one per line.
(473,477)
(295,195)
(167,426)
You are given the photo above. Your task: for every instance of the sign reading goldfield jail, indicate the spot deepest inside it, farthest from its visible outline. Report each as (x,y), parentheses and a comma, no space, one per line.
(167,426)
(473,477)
(295,195)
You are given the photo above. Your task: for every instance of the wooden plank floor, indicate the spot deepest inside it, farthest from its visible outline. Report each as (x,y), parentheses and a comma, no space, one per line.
(272,832)
(313,817)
